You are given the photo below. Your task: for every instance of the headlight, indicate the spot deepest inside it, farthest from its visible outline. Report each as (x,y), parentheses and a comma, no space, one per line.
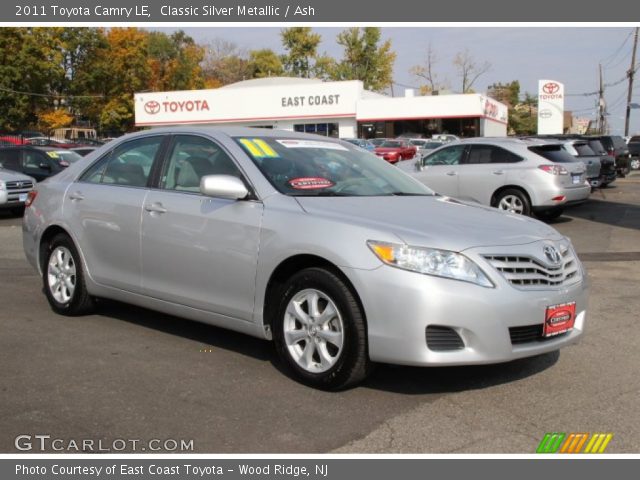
(3,186)
(440,263)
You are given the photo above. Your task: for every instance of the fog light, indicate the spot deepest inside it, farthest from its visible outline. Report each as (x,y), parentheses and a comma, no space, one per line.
(559,198)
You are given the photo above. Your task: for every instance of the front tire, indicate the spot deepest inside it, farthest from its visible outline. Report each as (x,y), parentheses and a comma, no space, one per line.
(320,332)
(514,201)
(63,278)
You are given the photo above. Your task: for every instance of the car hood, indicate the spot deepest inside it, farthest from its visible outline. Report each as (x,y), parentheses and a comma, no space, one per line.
(11,176)
(432,221)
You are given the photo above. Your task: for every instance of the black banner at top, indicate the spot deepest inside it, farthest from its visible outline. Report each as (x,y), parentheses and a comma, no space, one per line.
(281,11)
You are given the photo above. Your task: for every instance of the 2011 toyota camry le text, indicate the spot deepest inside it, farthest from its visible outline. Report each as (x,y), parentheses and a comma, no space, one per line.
(337,256)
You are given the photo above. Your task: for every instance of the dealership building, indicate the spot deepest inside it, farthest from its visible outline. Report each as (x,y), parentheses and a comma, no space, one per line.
(342,109)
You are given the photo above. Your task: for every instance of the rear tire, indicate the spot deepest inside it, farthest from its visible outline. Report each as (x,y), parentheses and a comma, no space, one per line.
(514,201)
(319,331)
(63,278)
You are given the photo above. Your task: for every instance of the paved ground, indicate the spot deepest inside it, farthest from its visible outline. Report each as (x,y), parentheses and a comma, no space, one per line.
(134,374)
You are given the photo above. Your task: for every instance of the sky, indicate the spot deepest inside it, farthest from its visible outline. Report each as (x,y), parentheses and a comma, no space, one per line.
(566,54)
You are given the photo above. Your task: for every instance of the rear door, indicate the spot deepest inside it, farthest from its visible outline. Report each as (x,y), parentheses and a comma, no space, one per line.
(197,250)
(440,170)
(483,171)
(104,209)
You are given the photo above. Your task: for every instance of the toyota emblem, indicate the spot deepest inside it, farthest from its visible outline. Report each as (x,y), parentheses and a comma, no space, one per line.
(152,107)
(552,254)
(550,88)
(545,113)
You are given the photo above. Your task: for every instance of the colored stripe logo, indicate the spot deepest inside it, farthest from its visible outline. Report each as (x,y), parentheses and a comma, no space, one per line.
(560,442)
(258,148)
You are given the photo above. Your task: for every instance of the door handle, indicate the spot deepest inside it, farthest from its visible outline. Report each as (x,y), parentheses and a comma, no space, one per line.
(498,172)
(452,173)
(155,208)
(76,196)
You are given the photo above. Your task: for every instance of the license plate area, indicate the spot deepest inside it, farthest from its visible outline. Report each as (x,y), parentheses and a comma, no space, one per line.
(22,197)
(575,179)
(559,319)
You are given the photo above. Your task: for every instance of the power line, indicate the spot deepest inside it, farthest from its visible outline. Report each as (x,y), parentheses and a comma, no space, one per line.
(33,94)
(608,59)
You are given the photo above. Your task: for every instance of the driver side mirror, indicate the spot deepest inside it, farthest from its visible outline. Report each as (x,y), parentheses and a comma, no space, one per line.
(223,186)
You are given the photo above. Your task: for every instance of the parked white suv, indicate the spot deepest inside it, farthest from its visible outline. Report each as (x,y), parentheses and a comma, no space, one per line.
(521,176)
(14,188)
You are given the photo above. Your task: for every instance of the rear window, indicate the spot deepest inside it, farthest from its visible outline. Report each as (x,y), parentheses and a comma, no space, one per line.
(391,145)
(583,149)
(619,142)
(554,153)
(596,146)
(635,139)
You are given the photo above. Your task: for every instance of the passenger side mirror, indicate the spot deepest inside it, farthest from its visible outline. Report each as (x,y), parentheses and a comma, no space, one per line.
(223,186)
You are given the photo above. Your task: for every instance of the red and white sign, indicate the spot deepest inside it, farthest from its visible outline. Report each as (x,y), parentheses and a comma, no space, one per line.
(550,107)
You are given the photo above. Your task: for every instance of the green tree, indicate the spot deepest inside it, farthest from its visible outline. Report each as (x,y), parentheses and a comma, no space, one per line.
(301,46)
(264,63)
(365,58)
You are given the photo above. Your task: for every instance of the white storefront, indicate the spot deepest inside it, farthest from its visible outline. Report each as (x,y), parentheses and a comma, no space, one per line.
(338,109)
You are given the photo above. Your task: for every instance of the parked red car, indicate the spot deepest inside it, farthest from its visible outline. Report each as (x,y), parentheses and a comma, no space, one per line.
(395,150)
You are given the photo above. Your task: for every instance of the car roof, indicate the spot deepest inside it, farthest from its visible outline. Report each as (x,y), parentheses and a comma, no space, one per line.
(508,141)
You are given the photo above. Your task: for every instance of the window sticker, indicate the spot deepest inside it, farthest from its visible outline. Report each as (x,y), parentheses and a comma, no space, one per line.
(53,154)
(289,143)
(310,183)
(258,148)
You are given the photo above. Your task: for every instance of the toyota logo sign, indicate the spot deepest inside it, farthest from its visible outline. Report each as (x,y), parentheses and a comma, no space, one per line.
(152,107)
(552,254)
(550,88)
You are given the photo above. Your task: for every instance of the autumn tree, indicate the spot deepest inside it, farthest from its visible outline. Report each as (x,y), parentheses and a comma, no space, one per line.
(174,61)
(365,58)
(469,69)
(224,63)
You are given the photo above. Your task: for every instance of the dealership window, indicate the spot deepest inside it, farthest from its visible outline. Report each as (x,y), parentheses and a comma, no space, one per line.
(324,129)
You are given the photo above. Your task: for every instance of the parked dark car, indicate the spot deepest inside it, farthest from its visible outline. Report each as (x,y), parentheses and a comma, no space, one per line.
(608,172)
(37,162)
(618,149)
(634,151)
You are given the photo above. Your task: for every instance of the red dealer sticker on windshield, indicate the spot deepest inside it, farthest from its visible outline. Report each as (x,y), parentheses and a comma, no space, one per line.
(310,183)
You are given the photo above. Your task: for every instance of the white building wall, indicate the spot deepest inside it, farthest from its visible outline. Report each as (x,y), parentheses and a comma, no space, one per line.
(491,128)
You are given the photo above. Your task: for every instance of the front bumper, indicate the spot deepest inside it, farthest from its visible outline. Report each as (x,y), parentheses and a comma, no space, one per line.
(400,305)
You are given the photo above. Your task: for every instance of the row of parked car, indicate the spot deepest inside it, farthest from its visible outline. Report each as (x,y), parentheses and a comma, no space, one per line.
(22,165)
(394,150)
(537,175)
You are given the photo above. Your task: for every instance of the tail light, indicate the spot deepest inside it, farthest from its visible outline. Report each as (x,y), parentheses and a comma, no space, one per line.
(31,197)
(554,169)
(612,152)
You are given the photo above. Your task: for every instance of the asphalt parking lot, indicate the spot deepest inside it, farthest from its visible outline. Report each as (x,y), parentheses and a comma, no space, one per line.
(130,373)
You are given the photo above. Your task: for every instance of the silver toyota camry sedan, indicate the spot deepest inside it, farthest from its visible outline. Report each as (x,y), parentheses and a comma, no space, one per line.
(338,257)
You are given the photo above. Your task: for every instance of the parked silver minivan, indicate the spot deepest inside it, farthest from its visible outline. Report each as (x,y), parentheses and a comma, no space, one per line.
(524,176)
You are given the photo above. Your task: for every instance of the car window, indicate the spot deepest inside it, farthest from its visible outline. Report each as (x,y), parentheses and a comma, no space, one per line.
(597,147)
(391,144)
(10,159)
(583,149)
(479,154)
(129,164)
(191,159)
(555,153)
(447,156)
(34,159)
(619,142)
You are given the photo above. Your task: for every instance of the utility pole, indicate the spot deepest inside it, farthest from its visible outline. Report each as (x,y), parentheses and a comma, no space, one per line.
(601,104)
(630,74)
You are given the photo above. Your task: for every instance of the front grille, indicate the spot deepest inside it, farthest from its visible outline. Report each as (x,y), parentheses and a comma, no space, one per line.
(20,185)
(443,339)
(529,334)
(526,272)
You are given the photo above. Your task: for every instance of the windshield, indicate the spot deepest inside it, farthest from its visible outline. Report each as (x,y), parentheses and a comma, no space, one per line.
(391,144)
(64,156)
(301,167)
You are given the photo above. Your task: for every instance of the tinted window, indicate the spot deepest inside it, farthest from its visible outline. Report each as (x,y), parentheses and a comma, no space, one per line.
(583,149)
(35,160)
(391,144)
(635,139)
(619,143)
(490,154)
(129,164)
(555,153)
(10,159)
(597,147)
(191,159)
(446,156)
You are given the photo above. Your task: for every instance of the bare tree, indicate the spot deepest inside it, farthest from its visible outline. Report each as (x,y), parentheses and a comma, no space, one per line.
(426,72)
(469,69)
(225,62)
